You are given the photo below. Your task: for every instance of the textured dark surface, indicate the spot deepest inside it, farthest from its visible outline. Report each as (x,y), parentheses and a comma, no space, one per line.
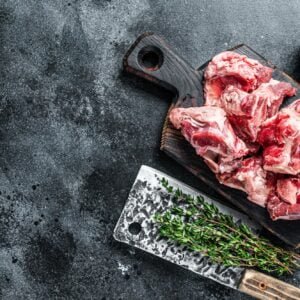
(74,131)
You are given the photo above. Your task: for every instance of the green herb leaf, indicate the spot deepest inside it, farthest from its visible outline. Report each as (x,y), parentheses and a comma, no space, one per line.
(201,227)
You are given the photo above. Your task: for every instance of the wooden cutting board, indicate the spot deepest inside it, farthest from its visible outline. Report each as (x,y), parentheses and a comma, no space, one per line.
(152,59)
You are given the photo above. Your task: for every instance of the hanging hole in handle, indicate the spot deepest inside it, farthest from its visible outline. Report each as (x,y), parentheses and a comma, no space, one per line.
(135,228)
(150,58)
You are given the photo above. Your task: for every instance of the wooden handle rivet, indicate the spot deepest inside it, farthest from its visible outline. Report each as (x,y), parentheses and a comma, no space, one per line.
(262,286)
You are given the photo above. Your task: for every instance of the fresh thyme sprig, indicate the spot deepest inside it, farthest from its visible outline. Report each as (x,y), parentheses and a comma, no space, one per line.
(200,226)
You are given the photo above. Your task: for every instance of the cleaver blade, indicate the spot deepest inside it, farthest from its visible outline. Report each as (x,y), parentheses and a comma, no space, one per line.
(137,228)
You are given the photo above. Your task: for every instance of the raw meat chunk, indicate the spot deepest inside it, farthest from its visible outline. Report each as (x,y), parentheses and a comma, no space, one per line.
(210,133)
(274,92)
(246,112)
(288,189)
(251,178)
(230,68)
(284,203)
(239,117)
(280,138)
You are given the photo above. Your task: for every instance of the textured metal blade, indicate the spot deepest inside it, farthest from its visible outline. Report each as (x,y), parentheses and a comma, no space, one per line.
(137,228)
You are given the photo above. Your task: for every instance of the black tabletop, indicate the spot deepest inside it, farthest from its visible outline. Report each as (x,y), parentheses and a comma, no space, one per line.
(74,131)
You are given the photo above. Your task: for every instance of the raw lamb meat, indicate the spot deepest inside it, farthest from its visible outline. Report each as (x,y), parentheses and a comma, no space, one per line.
(246,112)
(210,133)
(284,202)
(274,92)
(251,178)
(239,118)
(230,68)
(288,190)
(280,138)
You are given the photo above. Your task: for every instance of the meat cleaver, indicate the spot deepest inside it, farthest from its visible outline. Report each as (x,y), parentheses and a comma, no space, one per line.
(137,228)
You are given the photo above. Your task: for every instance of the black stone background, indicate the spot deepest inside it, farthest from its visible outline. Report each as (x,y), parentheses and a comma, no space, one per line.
(74,131)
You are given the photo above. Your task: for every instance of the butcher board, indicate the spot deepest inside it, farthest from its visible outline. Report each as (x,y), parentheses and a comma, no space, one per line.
(152,59)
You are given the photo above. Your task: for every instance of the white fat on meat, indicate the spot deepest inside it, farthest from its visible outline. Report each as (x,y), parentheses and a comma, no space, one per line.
(210,133)
(231,68)
(284,201)
(251,178)
(287,190)
(247,111)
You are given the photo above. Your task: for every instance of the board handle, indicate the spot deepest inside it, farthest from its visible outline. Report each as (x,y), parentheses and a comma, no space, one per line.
(265,287)
(152,59)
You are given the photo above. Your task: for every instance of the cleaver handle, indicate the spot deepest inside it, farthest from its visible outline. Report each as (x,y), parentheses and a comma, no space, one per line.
(152,59)
(265,287)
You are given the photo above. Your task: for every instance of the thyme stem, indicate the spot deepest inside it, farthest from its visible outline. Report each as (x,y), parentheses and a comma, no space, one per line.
(201,227)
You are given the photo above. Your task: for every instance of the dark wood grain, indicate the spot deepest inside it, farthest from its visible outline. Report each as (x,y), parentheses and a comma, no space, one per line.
(180,77)
(174,74)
